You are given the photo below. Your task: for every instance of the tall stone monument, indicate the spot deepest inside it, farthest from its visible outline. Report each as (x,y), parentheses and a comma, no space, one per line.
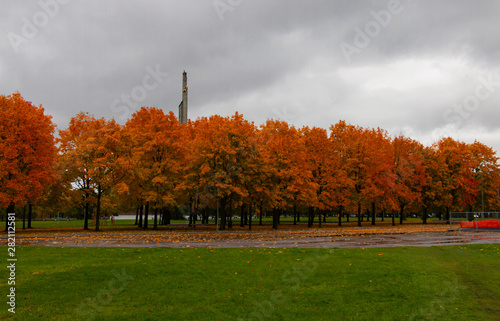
(183,107)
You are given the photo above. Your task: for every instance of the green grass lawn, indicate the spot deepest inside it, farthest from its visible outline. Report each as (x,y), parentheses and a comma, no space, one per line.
(437,283)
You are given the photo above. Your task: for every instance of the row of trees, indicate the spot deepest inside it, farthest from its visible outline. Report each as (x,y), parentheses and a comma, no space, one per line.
(155,163)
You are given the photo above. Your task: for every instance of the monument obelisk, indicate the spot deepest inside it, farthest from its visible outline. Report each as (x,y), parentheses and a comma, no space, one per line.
(183,107)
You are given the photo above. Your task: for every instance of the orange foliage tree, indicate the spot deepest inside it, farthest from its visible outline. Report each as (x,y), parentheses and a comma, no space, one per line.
(154,146)
(94,157)
(409,171)
(220,164)
(460,182)
(487,173)
(287,177)
(434,190)
(329,178)
(27,152)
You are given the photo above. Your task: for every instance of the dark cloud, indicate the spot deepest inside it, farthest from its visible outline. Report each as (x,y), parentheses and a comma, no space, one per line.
(265,59)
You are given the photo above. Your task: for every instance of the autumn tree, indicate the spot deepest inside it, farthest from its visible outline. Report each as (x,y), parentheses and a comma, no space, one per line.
(434,190)
(155,149)
(460,182)
(59,196)
(328,177)
(27,151)
(487,174)
(380,178)
(220,162)
(284,156)
(94,158)
(408,168)
(365,157)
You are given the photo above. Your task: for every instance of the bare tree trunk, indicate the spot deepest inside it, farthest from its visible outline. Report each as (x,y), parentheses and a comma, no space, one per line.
(230,210)
(222,225)
(242,214)
(86,213)
(155,226)
(250,217)
(261,213)
(373,213)
(275,219)
(24,217)
(359,214)
(146,214)
(30,208)
(140,215)
(98,211)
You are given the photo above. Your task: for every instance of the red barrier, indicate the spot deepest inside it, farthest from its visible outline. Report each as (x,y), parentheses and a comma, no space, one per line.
(482,224)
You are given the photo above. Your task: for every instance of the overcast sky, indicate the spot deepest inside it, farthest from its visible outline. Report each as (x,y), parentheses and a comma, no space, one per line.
(425,69)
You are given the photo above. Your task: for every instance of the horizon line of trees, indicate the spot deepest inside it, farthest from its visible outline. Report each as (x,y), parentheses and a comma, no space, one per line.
(156,165)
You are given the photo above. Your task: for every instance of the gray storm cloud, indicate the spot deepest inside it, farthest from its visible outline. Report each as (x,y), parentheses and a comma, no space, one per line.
(404,66)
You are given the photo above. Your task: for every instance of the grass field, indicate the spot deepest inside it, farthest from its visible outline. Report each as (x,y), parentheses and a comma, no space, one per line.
(437,283)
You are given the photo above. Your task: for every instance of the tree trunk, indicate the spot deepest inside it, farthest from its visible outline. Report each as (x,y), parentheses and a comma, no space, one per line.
(250,217)
(24,217)
(393,218)
(146,216)
(261,213)
(195,210)
(30,208)
(242,214)
(340,215)
(424,215)
(359,214)
(98,210)
(319,216)
(275,219)
(401,214)
(136,216)
(383,214)
(230,212)
(140,215)
(87,205)
(167,214)
(222,207)
(190,212)
(294,214)
(310,216)
(86,213)
(155,226)
(373,213)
